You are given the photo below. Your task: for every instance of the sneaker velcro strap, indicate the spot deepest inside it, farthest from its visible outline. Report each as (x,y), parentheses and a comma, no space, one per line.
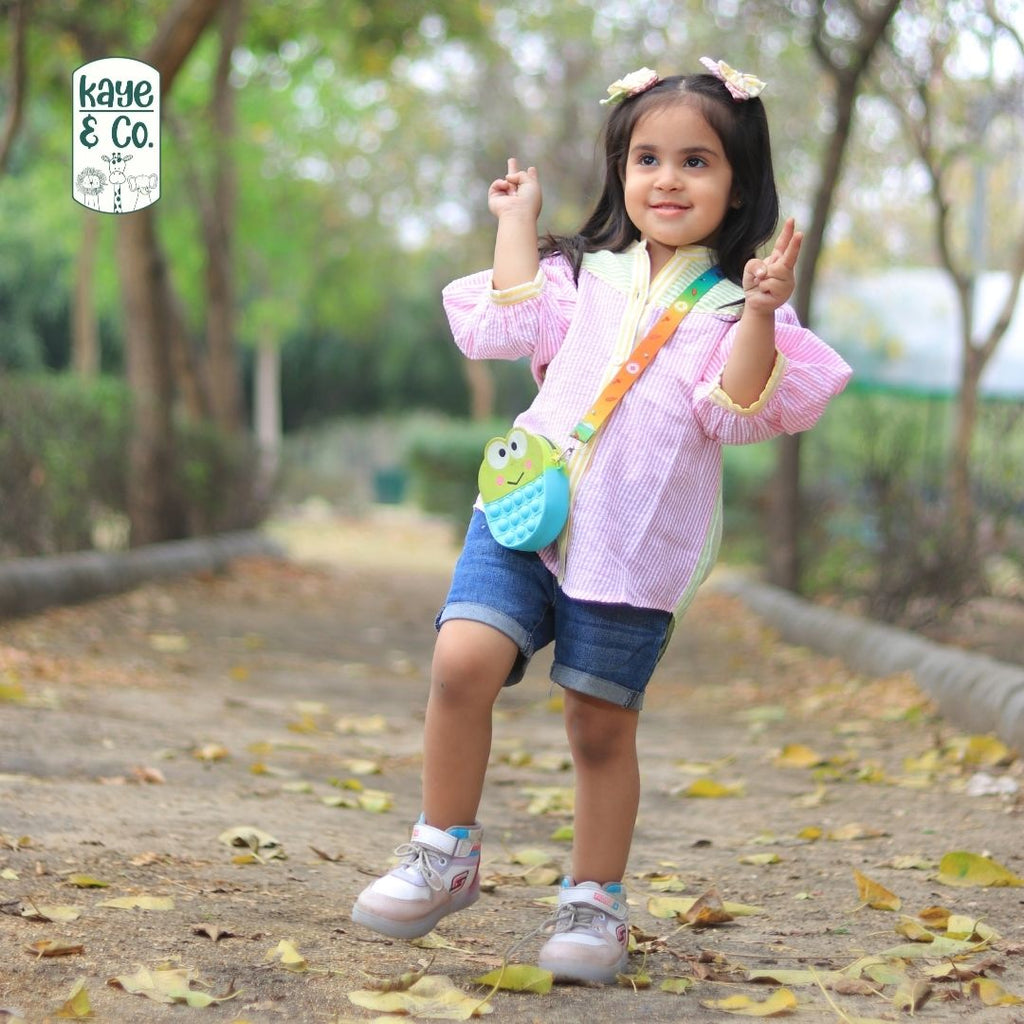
(445,842)
(614,906)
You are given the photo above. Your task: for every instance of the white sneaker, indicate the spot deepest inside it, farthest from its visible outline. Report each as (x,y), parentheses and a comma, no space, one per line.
(439,874)
(591,933)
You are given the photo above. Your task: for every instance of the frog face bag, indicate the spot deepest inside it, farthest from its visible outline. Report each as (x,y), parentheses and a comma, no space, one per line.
(525,490)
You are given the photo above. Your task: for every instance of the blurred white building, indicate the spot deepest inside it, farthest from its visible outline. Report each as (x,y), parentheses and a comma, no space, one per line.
(900,330)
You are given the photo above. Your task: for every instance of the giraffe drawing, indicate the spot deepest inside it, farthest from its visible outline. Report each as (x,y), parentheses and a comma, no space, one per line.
(117,176)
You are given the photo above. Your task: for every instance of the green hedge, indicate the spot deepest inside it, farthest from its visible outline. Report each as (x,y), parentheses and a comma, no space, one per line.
(443,458)
(64,467)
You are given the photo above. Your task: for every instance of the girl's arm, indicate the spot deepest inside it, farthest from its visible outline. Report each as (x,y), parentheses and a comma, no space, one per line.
(516,201)
(767,284)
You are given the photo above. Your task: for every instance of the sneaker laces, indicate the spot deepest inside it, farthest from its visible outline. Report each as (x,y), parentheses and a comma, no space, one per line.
(570,916)
(416,860)
(567,917)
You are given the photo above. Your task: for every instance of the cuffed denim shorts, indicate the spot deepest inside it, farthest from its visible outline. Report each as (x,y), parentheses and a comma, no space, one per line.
(608,651)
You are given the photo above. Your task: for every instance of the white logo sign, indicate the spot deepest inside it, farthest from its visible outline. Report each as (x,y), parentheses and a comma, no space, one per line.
(115,141)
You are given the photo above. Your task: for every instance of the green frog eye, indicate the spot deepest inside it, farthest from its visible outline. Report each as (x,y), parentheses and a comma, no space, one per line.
(517,444)
(498,453)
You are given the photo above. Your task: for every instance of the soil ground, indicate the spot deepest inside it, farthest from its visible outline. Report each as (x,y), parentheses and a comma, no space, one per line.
(135,731)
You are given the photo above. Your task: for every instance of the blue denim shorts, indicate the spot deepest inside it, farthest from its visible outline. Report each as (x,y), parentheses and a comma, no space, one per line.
(608,651)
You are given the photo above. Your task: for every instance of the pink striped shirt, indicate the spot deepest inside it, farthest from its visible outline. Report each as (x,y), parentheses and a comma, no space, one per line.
(646,509)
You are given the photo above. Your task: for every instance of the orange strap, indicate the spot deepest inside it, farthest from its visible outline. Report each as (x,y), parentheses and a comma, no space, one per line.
(641,356)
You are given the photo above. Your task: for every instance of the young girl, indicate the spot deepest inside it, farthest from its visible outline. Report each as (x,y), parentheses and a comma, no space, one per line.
(688,184)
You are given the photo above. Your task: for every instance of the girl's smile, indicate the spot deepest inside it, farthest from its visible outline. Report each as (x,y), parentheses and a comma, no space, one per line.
(678,183)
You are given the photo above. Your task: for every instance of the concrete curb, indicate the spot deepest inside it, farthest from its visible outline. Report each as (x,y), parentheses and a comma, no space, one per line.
(29,585)
(975,691)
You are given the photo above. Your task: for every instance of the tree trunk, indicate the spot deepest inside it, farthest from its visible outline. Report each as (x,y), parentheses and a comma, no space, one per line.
(155,507)
(267,412)
(785,528)
(218,225)
(481,388)
(961,502)
(785,566)
(85,335)
(18,83)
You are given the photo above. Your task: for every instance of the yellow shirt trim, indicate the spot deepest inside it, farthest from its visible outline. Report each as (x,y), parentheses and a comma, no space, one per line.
(519,292)
(719,397)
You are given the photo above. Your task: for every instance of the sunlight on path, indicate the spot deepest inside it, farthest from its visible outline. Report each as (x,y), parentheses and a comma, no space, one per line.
(387,536)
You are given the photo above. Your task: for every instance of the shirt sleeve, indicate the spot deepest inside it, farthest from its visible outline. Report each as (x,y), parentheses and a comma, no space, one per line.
(528,321)
(806,376)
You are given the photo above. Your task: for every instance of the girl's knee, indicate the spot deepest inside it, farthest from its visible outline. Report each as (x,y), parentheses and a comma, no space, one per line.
(471,661)
(599,732)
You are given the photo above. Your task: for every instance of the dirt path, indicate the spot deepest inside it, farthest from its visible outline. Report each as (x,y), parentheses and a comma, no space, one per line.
(135,731)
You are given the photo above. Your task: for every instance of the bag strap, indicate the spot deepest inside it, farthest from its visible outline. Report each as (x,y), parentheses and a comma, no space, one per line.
(642,356)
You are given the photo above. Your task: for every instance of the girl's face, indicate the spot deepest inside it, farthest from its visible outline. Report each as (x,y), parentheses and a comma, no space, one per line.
(678,184)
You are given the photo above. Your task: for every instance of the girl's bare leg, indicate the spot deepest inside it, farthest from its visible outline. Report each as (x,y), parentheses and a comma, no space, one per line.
(471,663)
(602,739)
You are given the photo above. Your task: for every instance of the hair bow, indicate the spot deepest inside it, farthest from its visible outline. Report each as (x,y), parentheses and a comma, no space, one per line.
(740,86)
(633,84)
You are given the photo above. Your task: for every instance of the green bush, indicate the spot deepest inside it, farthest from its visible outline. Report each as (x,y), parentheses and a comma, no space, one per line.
(63,461)
(218,475)
(443,458)
(64,446)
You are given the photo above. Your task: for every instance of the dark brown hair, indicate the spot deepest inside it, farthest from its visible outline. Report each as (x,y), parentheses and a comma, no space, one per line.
(743,128)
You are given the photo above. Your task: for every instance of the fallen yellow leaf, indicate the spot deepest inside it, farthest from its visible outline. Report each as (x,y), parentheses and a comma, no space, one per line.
(913,930)
(874,894)
(780,1002)
(911,995)
(983,751)
(549,799)
(169,643)
(53,947)
(368,726)
(77,1005)
(707,910)
(759,860)
(530,857)
(56,914)
(87,882)
(712,789)
(434,996)
(991,993)
(139,903)
(935,917)
(167,985)
(679,906)
(963,926)
(260,843)
(518,978)
(677,986)
(375,801)
(291,959)
(796,755)
(940,947)
(963,868)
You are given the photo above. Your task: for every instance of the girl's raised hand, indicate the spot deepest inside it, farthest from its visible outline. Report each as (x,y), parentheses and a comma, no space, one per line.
(768,283)
(517,193)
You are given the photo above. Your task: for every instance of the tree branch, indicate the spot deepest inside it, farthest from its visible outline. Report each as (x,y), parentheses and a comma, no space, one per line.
(177,35)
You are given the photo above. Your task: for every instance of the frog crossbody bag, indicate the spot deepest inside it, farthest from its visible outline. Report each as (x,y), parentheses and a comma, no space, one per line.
(524,479)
